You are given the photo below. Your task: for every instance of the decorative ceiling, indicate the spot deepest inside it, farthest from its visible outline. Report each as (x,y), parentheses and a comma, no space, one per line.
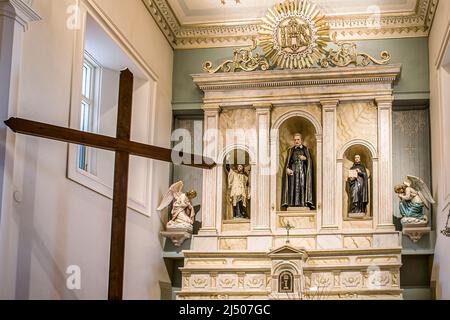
(208,23)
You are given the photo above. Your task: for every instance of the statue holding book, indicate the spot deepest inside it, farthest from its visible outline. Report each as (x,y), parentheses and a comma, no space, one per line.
(358,186)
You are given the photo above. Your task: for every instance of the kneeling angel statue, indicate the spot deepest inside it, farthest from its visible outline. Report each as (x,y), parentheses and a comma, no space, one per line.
(183,213)
(414,196)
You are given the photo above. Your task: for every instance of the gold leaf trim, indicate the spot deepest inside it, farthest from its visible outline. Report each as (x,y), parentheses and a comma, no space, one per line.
(243,61)
(347,54)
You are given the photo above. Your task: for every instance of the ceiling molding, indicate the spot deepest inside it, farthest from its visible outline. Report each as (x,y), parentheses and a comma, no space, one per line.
(351,27)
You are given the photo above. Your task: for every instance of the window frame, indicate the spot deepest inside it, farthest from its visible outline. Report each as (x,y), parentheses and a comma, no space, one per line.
(138,203)
(93,103)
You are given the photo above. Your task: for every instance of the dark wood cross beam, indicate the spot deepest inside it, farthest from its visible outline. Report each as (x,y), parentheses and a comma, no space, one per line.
(123,147)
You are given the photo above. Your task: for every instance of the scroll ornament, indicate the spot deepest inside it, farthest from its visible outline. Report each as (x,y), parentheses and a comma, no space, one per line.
(347,54)
(244,60)
(295,34)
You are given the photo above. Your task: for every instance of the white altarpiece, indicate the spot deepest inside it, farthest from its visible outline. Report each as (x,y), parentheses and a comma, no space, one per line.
(340,112)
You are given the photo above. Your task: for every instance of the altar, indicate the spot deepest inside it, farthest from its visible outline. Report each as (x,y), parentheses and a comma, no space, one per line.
(300,204)
(330,253)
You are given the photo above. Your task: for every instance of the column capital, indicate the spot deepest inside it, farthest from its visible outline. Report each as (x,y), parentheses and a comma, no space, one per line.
(212,108)
(384,101)
(263,106)
(329,103)
(20,11)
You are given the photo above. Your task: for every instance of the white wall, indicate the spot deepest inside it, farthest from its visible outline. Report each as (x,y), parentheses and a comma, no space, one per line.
(440,120)
(58,222)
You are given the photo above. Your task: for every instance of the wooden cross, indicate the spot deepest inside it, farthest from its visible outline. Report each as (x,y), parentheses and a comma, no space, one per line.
(123,147)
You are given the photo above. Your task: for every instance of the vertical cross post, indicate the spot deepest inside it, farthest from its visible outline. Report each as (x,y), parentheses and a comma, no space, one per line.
(288,227)
(120,194)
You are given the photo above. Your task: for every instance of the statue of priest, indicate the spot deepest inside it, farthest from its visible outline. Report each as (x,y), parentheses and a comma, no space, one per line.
(298,177)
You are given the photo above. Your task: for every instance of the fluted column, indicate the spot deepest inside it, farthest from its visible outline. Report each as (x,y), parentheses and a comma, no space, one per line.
(330,216)
(261,218)
(385,183)
(211,147)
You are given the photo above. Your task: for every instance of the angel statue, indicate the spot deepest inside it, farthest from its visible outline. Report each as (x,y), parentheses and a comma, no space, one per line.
(414,197)
(183,213)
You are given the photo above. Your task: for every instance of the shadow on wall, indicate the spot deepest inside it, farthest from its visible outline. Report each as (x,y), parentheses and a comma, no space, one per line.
(30,242)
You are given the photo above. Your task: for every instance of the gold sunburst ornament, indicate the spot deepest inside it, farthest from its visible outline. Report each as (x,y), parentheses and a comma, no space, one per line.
(294,34)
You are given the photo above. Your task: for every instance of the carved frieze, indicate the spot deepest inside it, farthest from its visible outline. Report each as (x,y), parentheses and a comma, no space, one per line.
(322,281)
(351,279)
(255,282)
(379,279)
(347,27)
(228,281)
(199,281)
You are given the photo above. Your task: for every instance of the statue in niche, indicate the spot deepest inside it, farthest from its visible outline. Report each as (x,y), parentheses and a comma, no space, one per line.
(414,196)
(239,187)
(358,186)
(297,191)
(183,213)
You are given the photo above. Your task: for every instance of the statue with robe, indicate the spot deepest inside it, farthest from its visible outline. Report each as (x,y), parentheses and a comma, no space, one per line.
(238,184)
(414,196)
(358,186)
(297,189)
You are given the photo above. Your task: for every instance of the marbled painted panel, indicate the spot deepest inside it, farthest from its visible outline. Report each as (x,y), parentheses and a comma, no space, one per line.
(357,120)
(238,126)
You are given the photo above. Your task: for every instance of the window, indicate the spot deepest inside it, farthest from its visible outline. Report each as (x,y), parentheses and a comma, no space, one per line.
(97,63)
(89,110)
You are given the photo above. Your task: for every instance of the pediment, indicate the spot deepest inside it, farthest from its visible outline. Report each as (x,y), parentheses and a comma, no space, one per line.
(287,250)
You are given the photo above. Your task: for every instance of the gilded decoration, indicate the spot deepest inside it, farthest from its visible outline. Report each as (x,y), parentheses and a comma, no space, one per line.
(295,35)
(243,60)
(347,54)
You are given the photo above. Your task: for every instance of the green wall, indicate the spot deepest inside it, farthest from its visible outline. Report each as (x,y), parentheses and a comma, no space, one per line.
(412,53)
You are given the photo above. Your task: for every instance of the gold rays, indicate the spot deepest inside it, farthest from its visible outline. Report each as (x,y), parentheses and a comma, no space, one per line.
(294,34)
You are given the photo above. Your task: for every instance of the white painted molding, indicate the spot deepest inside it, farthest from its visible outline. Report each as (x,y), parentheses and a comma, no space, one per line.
(73,173)
(443,48)
(19,10)
(289,87)
(404,24)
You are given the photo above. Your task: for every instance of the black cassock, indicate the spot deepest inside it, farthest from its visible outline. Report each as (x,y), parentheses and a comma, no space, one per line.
(359,190)
(298,189)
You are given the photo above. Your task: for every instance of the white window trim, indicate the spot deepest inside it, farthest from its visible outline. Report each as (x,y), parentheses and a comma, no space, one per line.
(74,173)
(95,102)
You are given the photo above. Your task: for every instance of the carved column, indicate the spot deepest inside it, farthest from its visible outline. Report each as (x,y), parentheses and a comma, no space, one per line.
(261,219)
(330,219)
(385,184)
(211,147)
(15,15)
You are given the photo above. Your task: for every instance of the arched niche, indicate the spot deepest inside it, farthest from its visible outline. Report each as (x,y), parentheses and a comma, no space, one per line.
(368,158)
(234,156)
(287,271)
(296,123)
